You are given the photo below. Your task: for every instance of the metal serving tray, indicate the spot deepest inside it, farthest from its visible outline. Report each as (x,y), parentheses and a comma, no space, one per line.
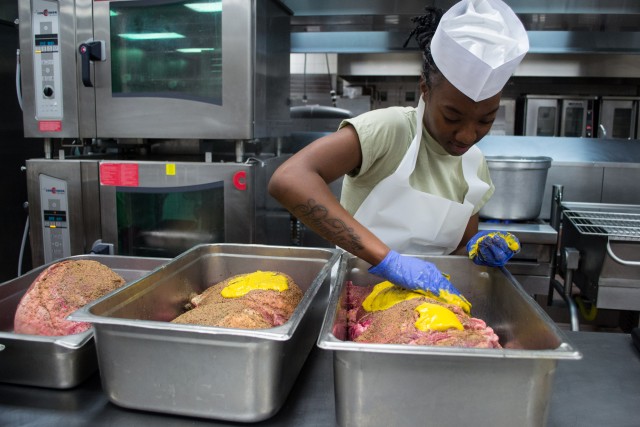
(61,361)
(222,373)
(381,384)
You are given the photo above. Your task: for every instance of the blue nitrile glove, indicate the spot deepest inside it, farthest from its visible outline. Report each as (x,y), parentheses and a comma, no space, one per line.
(492,248)
(416,274)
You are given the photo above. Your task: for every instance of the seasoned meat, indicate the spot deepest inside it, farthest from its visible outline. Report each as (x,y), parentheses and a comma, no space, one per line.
(397,324)
(60,290)
(256,309)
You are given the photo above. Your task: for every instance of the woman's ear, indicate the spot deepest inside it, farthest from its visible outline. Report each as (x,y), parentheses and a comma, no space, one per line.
(423,87)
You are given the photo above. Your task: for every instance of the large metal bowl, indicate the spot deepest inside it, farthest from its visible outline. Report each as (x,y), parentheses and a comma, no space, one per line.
(519,187)
(221,373)
(389,384)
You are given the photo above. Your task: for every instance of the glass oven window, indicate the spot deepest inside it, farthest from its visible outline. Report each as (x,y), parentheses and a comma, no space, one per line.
(573,121)
(622,123)
(164,222)
(167,49)
(546,121)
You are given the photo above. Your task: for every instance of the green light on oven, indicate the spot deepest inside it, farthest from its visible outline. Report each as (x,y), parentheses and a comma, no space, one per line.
(195,49)
(150,36)
(205,7)
(113,13)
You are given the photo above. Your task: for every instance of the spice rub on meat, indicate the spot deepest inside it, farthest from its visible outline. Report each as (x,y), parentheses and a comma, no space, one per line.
(258,300)
(412,318)
(58,291)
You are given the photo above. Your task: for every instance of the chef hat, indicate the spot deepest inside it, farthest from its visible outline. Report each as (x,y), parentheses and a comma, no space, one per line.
(478,46)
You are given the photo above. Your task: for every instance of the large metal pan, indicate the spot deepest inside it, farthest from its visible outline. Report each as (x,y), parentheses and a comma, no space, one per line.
(55,362)
(385,384)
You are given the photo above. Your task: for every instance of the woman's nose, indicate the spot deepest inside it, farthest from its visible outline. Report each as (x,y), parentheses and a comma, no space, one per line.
(467,134)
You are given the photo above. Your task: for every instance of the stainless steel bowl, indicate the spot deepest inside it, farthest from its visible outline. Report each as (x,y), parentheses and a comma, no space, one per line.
(519,183)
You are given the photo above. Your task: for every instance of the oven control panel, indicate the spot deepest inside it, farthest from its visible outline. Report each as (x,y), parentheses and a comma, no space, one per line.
(54,207)
(46,59)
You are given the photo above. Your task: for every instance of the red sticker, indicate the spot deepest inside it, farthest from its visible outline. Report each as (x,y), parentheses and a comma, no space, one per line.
(50,126)
(240,180)
(119,174)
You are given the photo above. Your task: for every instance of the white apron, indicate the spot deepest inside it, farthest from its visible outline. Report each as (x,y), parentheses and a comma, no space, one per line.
(410,221)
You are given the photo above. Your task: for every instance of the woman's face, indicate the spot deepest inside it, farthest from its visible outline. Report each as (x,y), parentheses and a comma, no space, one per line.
(455,120)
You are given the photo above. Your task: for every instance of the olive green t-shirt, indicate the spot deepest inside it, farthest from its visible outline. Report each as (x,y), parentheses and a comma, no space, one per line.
(385,135)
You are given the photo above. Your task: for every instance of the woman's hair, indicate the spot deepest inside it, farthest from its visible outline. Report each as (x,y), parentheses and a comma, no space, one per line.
(423,32)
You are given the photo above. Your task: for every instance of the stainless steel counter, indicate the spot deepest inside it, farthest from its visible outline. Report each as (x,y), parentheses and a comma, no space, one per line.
(602,389)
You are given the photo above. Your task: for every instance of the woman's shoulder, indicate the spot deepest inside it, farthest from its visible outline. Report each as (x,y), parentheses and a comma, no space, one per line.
(388,120)
(400,115)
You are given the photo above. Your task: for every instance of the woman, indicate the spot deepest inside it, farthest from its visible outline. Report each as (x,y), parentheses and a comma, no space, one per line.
(414,180)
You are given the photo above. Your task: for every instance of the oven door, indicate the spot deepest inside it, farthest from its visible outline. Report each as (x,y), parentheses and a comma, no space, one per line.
(618,118)
(541,116)
(577,118)
(504,123)
(162,209)
(165,61)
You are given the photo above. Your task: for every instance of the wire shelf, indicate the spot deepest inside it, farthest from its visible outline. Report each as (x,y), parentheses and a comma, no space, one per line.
(618,226)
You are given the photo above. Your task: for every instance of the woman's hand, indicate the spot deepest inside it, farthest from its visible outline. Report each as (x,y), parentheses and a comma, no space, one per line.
(492,248)
(416,274)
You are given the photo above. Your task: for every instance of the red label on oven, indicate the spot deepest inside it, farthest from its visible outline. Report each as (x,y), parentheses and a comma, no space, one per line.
(119,174)
(240,180)
(50,126)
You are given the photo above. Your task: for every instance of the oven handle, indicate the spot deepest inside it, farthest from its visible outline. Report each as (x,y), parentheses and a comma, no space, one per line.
(90,51)
(620,260)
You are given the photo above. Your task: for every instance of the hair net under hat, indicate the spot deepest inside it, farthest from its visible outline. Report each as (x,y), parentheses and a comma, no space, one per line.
(478,46)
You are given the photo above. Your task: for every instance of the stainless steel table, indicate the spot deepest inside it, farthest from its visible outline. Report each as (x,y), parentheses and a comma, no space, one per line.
(602,389)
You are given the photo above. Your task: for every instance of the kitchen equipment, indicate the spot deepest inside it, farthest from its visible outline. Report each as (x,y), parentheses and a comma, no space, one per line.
(619,117)
(154,68)
(232,374)
(555,115)
(504,123)
(607,240)
(146,208)
(378,384)
(56,362)
(519,187)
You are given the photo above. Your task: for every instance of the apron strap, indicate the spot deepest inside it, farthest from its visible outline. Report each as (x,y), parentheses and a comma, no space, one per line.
(408,163)
(471,161)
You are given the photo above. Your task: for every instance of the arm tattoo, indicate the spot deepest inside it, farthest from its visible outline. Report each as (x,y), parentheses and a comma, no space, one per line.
(332,229)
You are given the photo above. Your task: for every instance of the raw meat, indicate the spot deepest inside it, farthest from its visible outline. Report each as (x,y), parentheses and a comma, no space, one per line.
(396,325)
(257,309)
(58,291)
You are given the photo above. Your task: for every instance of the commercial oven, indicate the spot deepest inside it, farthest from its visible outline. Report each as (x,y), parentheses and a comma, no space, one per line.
(148,208)
(504,124)
(551,115)
(216,69)
(619,117)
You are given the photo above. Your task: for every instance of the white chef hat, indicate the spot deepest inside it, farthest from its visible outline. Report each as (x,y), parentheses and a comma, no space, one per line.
(478,46)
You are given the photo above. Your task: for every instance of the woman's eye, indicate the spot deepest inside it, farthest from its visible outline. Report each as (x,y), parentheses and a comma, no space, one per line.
(451,119)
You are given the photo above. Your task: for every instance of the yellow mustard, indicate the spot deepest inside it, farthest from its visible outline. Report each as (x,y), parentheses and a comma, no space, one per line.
(434,317)
(266,280)
(386,294)
(454,299)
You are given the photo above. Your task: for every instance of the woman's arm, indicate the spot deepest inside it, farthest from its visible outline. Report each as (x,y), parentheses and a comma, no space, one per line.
(301,186)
